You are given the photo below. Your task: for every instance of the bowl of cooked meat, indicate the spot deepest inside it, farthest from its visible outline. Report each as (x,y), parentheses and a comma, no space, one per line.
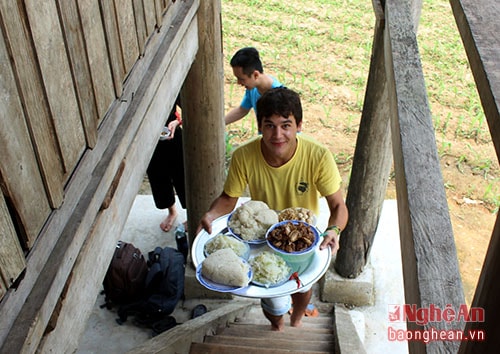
(295,241)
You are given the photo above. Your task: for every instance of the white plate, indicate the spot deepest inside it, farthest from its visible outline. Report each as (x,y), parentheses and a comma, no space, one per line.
(207,283)
(318,267)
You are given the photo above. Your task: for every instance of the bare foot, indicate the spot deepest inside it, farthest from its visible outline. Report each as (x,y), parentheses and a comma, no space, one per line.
(277,322)
(296,323)
(168,222)
(278,327)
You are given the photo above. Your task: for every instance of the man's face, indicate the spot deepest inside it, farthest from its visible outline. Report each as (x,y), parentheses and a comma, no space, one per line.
(249,82)
(279,137)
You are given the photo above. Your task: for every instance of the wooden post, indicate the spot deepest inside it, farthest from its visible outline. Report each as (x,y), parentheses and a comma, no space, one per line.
(203,111)
(429,258)
(478,25)
(371,166)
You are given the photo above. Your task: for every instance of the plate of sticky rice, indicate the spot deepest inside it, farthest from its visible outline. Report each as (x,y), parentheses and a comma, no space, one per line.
(224,271)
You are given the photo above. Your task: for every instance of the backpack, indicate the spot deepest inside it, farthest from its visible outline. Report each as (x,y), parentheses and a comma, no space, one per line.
(164,288)
(124,281)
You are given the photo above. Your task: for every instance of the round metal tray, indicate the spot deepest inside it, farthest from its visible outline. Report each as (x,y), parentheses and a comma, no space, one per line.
(318,267)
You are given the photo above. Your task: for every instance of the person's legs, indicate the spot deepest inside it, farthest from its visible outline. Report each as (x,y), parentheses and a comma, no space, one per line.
(277,322)
(168,222)
(177,162)
(300,302)
(274,309)
(160,180)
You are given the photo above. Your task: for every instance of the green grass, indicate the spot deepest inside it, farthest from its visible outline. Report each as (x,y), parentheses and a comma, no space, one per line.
(322,49)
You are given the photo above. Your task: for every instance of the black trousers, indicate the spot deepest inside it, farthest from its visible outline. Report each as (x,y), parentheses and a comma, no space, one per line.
(166,172)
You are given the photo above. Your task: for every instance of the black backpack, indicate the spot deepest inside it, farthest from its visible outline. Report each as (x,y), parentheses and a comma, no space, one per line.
(124,281)
(164,288)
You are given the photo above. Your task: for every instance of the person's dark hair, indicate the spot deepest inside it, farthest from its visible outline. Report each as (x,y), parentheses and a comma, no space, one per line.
(281,101)
(248,59)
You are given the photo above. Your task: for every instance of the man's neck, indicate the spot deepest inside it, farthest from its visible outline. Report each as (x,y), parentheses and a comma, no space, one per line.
(265,83)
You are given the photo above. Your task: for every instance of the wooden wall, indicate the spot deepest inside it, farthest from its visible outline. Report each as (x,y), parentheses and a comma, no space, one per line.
(85,89)
(62,63)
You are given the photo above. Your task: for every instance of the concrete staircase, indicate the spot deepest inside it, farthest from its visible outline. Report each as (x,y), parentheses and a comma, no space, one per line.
(252,334)
(240,327)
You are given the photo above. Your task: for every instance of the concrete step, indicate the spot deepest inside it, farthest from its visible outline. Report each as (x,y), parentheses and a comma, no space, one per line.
(324,345)
(250,332)
(307,322)
(255,316)
(264,331)
(211,348)
(247,337)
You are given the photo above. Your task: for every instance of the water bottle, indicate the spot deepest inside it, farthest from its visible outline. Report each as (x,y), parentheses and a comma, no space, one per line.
(182,241)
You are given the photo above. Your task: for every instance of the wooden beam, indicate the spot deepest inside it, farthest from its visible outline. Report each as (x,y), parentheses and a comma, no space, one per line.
(370,169)
(430,264)
(203,125)
(479,26)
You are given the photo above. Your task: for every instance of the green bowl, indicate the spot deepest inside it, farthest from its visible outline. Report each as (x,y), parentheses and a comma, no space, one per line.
(299,261)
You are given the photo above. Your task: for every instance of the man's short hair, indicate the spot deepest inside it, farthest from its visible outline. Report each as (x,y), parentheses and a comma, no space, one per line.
(248,59)
(281,101)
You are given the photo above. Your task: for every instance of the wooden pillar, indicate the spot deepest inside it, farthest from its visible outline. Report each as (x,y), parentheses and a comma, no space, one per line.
(371,166)
(478,25)
(203,112)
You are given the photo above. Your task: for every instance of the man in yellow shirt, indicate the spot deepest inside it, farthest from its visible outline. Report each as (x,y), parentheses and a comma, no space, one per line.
(283,169)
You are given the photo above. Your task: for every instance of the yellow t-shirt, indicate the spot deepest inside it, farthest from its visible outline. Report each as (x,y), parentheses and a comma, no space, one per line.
(310,174)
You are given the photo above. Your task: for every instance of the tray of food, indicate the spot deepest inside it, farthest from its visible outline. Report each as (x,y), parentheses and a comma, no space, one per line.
(268,275)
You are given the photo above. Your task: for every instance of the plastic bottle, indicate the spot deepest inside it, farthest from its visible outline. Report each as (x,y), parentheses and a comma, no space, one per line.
(182,241)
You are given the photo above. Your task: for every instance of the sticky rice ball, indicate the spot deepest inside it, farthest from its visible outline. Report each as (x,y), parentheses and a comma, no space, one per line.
(226,268)
(251,220)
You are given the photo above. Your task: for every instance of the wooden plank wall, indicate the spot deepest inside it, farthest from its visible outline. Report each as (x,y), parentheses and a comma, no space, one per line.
(63,63)
(80,236)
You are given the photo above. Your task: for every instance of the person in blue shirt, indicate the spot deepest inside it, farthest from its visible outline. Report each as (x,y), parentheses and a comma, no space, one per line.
(247,68)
